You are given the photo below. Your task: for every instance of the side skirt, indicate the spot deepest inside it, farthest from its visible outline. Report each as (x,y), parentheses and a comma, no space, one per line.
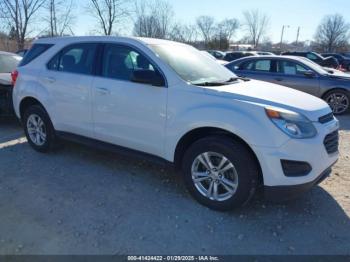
(112,148)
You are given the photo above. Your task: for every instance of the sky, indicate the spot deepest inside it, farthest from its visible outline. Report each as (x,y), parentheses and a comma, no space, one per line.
(293,13)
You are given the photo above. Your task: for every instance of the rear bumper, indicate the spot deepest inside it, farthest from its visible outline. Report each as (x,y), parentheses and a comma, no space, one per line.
(283,193)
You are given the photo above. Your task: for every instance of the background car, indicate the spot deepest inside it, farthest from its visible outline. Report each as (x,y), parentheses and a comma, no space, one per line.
(232,56)
(22,52)
(221,62)
(300,74)
(343,61)
(8,63)
(317,58)
(346,54)
(217,54)
(262,53)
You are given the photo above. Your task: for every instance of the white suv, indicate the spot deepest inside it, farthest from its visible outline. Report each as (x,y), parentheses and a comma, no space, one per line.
(228,135)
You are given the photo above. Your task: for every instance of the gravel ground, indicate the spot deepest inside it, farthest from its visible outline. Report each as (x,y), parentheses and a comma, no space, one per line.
(82,201)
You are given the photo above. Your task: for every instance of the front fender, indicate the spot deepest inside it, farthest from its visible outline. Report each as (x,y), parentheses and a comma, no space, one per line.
(243,119)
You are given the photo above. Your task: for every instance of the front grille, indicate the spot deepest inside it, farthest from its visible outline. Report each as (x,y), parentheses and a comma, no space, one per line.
(327,118)
(331,142)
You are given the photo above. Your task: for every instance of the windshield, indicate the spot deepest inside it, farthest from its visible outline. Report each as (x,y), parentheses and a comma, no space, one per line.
(8,63)
(192,65)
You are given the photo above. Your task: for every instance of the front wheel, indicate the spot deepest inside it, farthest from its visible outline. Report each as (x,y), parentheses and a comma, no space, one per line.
(220,173)
(339,101)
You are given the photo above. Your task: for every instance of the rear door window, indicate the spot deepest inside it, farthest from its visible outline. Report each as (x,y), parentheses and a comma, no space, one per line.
(258,65)
(34,52)
(78,58)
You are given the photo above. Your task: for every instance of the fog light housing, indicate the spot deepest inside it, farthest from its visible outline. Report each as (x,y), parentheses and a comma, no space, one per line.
(295,168)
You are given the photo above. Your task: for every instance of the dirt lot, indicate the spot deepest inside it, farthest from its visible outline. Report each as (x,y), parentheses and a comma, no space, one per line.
(79,200)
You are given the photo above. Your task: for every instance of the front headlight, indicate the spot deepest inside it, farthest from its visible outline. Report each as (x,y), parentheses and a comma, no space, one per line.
(291,123)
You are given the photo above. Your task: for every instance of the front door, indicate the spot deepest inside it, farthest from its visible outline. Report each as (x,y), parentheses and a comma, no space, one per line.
(297,76)
(127,113)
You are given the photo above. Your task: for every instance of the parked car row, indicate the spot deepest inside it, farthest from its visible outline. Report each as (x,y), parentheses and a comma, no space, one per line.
(329,60)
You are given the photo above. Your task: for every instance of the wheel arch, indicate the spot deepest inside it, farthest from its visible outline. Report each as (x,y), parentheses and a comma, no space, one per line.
(198,133)
(334,89)
(26,103)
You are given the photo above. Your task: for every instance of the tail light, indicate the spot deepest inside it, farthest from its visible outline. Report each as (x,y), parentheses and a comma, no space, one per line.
(14,76)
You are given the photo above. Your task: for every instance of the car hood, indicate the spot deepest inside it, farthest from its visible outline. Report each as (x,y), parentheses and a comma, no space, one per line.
(339,75)
(5,79)
(265,93)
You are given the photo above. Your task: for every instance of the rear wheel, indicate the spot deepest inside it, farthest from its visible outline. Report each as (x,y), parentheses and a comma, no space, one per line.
(338,100)
(38,128)
(220,173)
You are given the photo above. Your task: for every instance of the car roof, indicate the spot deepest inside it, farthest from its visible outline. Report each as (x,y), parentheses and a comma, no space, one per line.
(276,57)
(7,53)
(73,39)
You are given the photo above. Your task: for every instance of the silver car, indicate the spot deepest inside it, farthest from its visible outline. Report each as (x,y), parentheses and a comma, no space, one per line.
(299,73)
(8,63)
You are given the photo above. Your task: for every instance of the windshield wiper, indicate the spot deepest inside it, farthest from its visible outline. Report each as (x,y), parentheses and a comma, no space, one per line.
(233,79)
(210,84)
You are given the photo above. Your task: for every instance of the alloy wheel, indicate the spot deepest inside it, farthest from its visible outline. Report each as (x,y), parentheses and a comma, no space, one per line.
(214,176)
(339,102)
(36,130)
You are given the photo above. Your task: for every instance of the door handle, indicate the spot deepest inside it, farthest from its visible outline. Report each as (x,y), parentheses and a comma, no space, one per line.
(50,79)
(279,79)
(103,90)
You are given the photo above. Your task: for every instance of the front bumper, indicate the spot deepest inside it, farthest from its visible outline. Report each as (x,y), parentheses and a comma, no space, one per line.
(283,193)
(312,151)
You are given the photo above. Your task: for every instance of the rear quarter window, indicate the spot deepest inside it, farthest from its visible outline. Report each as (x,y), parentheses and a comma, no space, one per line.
(34,52)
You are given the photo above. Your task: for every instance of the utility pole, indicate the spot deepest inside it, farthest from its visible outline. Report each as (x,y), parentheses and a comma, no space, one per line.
(298,34)
(282,34)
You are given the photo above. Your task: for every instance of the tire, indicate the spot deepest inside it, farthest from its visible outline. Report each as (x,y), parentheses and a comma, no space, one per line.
(43,144)
(339,101)
(244,175)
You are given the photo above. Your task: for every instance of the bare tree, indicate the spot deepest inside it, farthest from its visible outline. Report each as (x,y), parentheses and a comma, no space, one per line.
(18,14)
(153,19)
(206,26)
(227,28)
(108,13)
(256,24)
(60,17)
(332,33)
(184,33)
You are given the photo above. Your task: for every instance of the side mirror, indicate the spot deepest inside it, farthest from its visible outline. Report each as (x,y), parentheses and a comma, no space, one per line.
(148,77)
(310,74)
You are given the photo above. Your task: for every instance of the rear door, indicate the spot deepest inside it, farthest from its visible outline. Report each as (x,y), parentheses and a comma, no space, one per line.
(258,69)
(68,78)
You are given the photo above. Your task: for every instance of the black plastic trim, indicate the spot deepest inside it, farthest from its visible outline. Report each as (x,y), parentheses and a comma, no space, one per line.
(295,168)
(112,148)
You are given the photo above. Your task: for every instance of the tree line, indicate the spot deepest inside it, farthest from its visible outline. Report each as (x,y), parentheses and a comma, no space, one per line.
(152,18)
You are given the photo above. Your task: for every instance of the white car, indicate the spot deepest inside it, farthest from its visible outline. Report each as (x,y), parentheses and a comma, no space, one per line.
(168,101)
